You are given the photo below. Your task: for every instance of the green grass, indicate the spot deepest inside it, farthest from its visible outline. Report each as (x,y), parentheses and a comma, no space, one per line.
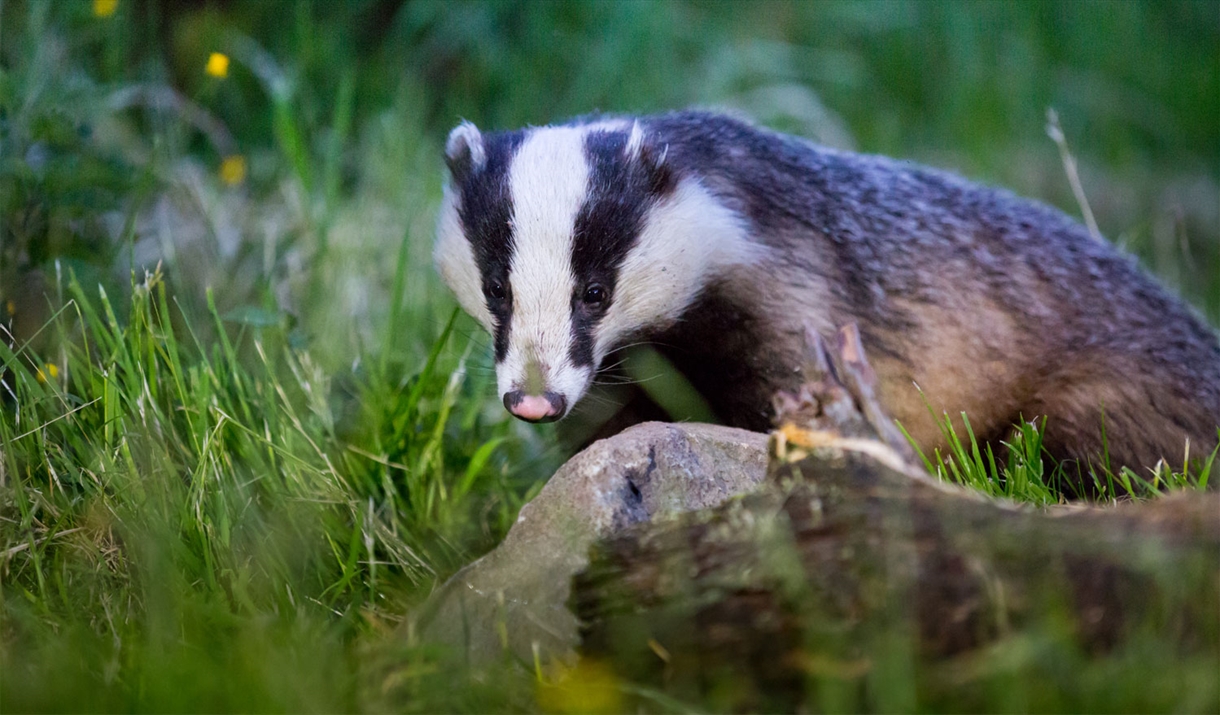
(1023,472)
(262,432)
(172,505)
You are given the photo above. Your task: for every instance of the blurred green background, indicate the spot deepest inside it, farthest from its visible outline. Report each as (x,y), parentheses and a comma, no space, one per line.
(299,185)
(338,109)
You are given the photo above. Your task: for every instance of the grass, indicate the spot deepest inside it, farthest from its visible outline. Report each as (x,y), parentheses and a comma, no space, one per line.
(244,428)
(1023,471)
(160,492)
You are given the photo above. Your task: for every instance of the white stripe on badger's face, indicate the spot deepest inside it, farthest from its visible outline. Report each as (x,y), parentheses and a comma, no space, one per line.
(548,183)
(455,260)
(687,240)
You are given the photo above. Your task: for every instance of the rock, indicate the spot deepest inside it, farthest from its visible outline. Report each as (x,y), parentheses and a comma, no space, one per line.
(809,586)
(515,597)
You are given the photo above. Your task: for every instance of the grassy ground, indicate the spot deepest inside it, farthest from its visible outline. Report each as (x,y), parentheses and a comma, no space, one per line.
(244,428)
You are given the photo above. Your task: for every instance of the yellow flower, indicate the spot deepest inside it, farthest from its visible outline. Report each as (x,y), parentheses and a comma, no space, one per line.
(11,307)
(218,65)
(51,372)
(104,8)
(590,687)
(233,169)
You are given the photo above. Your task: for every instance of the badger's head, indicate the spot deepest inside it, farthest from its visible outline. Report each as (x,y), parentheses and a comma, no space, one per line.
(566,241)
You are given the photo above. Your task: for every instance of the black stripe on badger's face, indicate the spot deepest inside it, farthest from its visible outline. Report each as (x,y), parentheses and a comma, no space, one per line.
(486,213)
(623,183)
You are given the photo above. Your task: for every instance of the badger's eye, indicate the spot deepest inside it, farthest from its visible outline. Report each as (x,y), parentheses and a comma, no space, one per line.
(495,290)
(595,295)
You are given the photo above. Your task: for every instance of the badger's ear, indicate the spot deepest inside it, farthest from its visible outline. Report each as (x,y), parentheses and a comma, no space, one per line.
(642,149)
(464,152)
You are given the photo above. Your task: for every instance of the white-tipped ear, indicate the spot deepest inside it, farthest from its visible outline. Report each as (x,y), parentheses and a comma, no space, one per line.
(639,149)
(635,141)
(464,151)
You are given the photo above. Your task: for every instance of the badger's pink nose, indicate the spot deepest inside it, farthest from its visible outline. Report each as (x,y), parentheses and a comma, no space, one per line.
(547,407)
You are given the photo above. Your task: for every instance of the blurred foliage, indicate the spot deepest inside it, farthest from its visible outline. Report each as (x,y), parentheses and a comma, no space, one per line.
(965,87)
(223,482)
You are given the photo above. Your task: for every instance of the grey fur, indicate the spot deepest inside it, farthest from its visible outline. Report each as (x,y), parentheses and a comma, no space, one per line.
(993,304)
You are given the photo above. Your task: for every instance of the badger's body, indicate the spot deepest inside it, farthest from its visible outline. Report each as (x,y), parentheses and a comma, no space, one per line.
(717,242)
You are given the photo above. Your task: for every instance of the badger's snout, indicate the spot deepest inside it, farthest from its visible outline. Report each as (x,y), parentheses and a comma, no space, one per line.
(537,390)
(547,407)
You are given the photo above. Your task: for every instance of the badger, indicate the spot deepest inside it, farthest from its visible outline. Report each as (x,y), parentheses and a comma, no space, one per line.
(718,242)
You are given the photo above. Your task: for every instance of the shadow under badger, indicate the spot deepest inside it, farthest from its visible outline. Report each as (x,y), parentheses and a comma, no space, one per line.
(717,241)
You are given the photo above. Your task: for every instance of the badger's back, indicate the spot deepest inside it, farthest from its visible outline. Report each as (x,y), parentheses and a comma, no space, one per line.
(991,303)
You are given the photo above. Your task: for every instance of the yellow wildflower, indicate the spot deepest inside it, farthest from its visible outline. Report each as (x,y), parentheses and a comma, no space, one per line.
(52,372)
(590,687)
(218,65)
(233,169)
(11,307)
(104,8)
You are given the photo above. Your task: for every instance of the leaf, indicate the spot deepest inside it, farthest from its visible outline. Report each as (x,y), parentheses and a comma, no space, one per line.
(253,316)
(477,461)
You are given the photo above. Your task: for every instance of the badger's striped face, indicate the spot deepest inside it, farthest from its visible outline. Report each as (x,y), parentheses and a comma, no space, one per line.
(565,241)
